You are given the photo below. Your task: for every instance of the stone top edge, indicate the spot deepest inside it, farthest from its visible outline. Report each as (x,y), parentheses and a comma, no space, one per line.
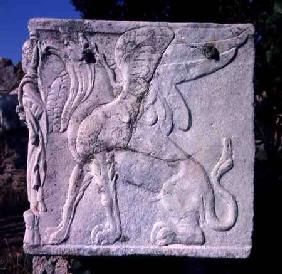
(120,26)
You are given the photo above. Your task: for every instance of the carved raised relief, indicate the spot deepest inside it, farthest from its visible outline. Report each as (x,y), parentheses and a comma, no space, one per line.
(116,98)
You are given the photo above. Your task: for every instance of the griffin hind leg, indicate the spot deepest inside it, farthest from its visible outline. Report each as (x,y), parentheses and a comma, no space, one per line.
(181,200)
(106,178)
(187,232)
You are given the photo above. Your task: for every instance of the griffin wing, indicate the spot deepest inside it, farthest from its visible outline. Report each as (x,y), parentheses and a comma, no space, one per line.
(65,85)
(53,84)
(138,53)
(165,103)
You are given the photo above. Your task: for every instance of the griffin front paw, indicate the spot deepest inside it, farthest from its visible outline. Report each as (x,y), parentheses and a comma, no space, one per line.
(102,235)
(162,234)
(55,235)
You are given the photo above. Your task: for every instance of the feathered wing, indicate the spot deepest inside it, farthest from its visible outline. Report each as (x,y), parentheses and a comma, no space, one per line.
(56,99)
(54,84)
(65,85)
(165,103)
(81,84)
(138,53)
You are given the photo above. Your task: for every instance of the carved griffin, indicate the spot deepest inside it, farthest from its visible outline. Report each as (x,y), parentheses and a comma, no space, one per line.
(103,115)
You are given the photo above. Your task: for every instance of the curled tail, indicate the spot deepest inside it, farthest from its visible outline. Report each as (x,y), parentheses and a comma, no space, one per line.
(224,164)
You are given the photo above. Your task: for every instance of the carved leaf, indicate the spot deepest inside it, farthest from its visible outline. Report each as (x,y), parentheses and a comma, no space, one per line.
(55,101)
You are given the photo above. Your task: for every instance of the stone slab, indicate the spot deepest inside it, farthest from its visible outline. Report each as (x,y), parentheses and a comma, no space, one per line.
(141,138)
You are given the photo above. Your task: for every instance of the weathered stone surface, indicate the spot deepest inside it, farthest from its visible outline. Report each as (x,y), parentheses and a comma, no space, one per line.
(141,138)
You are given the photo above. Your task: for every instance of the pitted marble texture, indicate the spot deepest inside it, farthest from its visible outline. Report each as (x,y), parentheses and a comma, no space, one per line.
(140,138)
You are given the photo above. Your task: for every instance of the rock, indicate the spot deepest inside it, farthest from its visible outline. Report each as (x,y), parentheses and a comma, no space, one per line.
(50,265)
(141,138)
(10,75)
(9,119)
